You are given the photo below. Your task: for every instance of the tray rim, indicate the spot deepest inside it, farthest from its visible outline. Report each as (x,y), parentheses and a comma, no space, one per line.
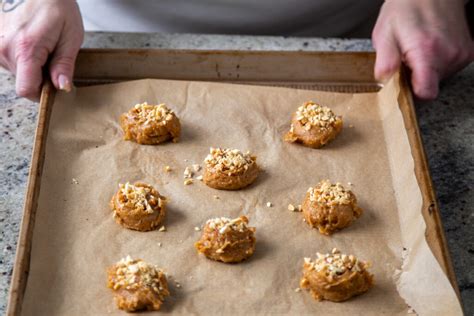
(434,232)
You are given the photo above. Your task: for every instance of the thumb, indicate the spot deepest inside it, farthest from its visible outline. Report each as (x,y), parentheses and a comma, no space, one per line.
(62,65)
(388,59)
(425,80)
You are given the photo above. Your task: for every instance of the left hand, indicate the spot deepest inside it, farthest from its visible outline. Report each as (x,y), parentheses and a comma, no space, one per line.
(430,36)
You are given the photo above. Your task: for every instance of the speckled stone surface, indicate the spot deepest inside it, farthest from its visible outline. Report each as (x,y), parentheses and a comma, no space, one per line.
(447,127)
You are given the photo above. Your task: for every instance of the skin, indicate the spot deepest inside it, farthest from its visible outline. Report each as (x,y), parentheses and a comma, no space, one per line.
(431,37)
(53,34)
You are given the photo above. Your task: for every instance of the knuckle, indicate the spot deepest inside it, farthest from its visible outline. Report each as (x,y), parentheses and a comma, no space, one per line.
(456,53)
(62,63)
(25,46)
(429,43)
(29,47)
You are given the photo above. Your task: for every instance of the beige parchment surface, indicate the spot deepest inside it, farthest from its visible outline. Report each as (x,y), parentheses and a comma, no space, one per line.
(75,238)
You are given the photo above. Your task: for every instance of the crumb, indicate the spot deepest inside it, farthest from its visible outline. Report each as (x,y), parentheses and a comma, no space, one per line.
(291,207)
(188,181)
(269,204)
(74,181)
(162,229)
(216,197)
(297,290)
(197,228)
(187,174)
(199,178)
(168,169)
(196,167)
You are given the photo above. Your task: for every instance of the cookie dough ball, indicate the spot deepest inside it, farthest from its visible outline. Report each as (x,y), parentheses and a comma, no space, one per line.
(229,169)
(336,277)
(138,206)
(227,240)
(314,125)
(150,124)
(137,285)
(330,207)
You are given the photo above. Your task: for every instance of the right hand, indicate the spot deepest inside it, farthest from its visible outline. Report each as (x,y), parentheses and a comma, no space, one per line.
(35,32)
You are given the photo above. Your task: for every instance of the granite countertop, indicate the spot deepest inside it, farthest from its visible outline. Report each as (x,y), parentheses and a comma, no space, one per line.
(447,127)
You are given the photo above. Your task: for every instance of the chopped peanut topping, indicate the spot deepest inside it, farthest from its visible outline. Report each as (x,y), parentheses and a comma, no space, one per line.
(187,173)
(132,274)
(140,197)
(335,263)
(148,113)
(332,194)
(311,114)
(225,224)
(229,160)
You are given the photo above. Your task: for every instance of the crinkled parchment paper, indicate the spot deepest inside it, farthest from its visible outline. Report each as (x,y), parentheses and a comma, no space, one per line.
(75,238)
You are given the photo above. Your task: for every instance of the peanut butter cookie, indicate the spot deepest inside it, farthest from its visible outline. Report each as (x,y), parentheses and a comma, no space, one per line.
(229,169)
(227,240)
(150,124)
(336,277)
(137,285)
(313,125)
(330,207)
(138,206)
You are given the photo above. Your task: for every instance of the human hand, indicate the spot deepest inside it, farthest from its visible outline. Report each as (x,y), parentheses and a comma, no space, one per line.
(34,32)
(430,36)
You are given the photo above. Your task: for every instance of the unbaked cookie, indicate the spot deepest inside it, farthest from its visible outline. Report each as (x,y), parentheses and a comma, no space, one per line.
(138,206)
(330,207)
(227,240)
(150,124)
(314,125)
(229,169)
(336,277)
(137,285)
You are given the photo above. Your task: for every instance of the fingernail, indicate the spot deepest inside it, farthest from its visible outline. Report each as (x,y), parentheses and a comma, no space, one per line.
(64,83)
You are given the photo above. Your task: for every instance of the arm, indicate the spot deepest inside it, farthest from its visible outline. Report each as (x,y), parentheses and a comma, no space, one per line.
(430,36)
(33,32)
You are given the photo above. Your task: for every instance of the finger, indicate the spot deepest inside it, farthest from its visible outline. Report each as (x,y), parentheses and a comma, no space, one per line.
(425,80)
(471,52)
(62,65)
(29,77)
(388,58)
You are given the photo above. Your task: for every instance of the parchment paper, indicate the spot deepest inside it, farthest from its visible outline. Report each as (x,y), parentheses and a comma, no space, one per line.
(75,238)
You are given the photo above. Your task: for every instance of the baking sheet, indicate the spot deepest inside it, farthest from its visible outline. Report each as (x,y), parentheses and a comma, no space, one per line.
(76,239)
